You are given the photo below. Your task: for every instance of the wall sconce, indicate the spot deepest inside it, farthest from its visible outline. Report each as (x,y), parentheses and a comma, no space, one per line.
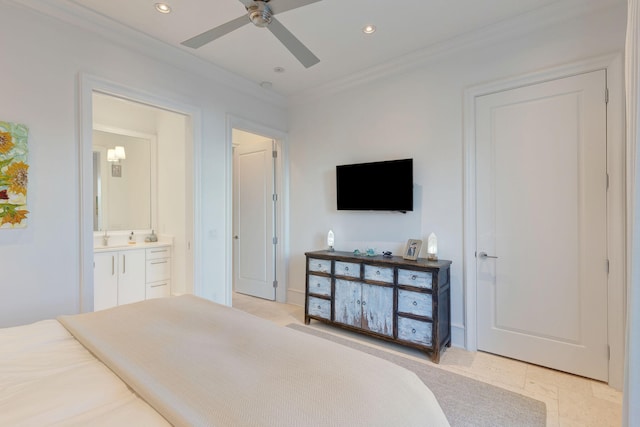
(116,154)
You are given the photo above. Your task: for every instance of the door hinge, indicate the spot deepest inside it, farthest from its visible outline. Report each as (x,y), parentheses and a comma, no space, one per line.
(607,266)
(606,95)
(275,197)
(275,240)
(608,352)
(274,153)
(607,181)
(275,283)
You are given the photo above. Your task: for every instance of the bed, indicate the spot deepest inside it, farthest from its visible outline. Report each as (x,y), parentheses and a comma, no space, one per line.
(186,361)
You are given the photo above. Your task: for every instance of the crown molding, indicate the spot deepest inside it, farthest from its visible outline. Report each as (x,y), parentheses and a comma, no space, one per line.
(509,28)
(70,12)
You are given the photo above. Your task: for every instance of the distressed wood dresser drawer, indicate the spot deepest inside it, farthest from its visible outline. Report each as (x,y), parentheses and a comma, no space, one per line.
(320,265)
(414,331)
(378,274)
(319,307)
(319,285)
(414,303)
(347,269)
(419,279)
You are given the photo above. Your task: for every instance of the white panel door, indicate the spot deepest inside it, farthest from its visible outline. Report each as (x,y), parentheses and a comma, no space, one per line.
(254,219)
(541,212)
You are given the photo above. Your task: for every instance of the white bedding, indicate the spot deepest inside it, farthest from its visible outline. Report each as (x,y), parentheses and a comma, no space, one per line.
(198,363)
(49,378)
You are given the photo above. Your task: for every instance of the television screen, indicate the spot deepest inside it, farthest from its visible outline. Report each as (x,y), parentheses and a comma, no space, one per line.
(378,186)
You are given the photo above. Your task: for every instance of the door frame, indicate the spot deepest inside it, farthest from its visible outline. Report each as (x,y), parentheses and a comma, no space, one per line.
(88,84)
(616,199)
(282,210)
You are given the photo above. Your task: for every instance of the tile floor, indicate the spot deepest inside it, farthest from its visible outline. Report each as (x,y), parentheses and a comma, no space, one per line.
(571,400)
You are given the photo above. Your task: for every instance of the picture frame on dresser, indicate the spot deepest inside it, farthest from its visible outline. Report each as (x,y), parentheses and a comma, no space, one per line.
(412,250)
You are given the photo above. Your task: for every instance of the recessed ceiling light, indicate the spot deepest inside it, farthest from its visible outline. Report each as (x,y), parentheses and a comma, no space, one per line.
(163,8)
(266,85)
(369,29)
(279,70)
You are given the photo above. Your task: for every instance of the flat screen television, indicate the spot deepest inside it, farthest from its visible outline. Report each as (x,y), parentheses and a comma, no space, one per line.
(377,186)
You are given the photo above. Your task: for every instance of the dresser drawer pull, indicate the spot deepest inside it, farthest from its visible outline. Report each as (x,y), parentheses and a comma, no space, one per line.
(318,284)
(377,272)
(414,277)
(346,269)
(158,251)
(413,330)
(415,303)
(319,307)
(358,302)
(364,303)
(158,262)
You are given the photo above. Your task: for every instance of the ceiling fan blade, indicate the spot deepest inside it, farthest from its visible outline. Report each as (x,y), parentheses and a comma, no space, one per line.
(295,46)
(279,6)
(209,36)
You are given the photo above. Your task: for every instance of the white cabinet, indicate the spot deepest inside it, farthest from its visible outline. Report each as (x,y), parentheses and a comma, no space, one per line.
(158,272)
(105,280)
(131,275)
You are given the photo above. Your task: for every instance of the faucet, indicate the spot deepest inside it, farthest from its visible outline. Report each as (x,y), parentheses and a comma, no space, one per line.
(105,238)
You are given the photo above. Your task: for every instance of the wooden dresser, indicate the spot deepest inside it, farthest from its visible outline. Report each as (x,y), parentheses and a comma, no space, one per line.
(403,301)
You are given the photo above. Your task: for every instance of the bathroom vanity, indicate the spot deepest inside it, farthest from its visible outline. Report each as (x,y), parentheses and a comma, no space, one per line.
(129,273)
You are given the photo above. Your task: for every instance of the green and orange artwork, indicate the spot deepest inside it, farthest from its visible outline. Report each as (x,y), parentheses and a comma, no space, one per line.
(13,175)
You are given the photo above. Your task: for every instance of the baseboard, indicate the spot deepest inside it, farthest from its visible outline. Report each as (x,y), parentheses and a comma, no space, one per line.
(295,297)
(457,335)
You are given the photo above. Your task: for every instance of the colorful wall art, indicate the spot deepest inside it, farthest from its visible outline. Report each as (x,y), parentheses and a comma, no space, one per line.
(13,175)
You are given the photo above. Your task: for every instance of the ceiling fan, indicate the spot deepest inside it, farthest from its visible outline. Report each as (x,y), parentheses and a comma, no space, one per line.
(261,14)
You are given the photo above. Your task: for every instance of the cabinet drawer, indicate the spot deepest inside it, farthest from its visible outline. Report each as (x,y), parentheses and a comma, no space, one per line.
(379,274)
(319,307)
(320,265)
(415,303)
(348,269)
(158,289)
(419,279)
(414,331)
(319,285)
(160,252)
(158,269)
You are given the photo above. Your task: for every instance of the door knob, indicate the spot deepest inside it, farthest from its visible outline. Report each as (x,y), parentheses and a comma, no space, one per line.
(235,237)
(484,255)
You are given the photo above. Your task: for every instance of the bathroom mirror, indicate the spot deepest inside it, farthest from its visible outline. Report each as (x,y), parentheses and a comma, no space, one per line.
(121,186)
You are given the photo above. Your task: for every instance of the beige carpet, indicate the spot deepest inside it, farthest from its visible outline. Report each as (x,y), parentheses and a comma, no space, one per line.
(465,402)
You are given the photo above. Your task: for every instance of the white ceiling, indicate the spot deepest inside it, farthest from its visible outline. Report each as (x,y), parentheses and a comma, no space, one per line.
(331,29)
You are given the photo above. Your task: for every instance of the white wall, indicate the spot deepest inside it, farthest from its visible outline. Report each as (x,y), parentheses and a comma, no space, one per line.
(417,113)
(43,59)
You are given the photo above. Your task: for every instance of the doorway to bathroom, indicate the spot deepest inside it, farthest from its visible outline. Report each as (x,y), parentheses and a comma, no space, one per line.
(162,131)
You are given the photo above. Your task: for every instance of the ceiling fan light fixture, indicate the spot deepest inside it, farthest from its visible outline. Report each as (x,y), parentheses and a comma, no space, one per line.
(260,14)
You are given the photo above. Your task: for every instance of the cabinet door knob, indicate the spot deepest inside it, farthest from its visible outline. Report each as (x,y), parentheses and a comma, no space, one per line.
(346,269)
(414,277)
(413,330)
(415,303)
